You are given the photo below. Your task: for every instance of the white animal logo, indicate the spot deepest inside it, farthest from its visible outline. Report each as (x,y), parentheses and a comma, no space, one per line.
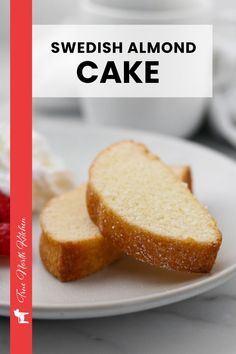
(21,316)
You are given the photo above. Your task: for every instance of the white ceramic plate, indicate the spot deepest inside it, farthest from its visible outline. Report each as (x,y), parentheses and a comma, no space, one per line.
(127,285)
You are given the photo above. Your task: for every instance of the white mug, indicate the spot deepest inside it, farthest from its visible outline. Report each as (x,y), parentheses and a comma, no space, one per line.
(175,116)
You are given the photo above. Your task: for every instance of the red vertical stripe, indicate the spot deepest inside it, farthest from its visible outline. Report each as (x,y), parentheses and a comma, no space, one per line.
(21,175)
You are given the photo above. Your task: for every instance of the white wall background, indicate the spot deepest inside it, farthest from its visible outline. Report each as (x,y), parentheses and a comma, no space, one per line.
(4,21)
(55,11)
(52,11)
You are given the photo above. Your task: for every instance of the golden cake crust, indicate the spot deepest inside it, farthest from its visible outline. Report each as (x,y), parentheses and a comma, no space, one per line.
(158,250)
(71,261)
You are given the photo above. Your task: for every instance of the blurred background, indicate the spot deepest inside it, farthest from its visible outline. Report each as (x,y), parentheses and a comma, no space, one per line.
(208,121)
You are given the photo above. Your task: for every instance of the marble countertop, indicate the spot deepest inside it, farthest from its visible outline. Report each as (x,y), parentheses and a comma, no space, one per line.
(204,324)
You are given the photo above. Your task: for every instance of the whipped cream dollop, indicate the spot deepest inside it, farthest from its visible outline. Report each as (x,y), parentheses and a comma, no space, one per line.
(50,177)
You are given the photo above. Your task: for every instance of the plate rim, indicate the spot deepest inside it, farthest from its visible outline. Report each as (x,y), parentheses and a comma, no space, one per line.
(143,302)
(146,133)
(128,306)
